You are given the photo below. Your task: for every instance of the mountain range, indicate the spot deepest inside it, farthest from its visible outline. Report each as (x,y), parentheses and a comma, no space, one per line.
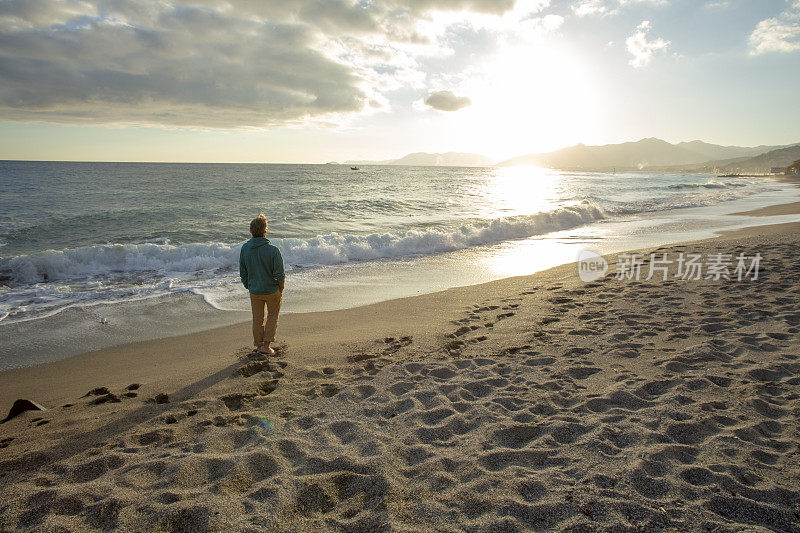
(646,154)
(780,158)
(651,154)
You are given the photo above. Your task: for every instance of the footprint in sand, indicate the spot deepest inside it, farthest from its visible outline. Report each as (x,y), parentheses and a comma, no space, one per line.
(453,348)
(267,387)
(235,401)
(105,398)
(329,389)
(394,345)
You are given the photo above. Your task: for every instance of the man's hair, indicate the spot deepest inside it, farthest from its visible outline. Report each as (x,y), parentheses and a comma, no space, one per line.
(258,227)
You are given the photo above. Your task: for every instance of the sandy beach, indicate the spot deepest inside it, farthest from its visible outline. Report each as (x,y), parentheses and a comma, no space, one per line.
(537,266)
(530,403)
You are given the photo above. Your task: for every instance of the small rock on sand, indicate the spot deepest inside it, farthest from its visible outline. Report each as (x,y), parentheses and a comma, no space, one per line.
(19,407)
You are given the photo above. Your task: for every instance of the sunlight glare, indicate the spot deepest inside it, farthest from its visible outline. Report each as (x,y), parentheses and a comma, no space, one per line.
(530,98)
(520,191)
(526,257)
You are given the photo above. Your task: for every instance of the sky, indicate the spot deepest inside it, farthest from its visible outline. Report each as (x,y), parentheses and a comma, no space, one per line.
(312,81)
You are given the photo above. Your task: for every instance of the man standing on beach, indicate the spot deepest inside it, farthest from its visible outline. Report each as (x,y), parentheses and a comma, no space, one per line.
(261,270)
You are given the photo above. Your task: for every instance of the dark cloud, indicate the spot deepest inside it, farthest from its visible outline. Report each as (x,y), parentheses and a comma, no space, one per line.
(336,16)
(214,63)
(447,101)
(178,66)
(495,7)
(42,12)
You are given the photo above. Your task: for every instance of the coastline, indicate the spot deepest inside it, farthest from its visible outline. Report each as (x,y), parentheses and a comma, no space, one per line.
(792,208)
(499,402)
(143,361)
(79,329)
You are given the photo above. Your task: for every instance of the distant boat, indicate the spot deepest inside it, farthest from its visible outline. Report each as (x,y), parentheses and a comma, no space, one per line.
(354,168)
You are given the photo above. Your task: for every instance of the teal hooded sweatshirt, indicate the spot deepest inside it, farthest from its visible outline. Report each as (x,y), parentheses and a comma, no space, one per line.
(261,266)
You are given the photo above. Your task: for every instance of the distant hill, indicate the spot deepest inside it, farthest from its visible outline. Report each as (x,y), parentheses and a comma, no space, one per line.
(782,157)
(779,157)
(648,153)
(711,152)
(449,159)
(423,159)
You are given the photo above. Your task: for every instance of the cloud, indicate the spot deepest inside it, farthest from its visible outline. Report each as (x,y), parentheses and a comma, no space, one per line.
(28,13)
(159,63)
(642,49)
(223,63)
(494,7)
(447,101)
(650,2)
(777,34)
(591,7)
(552,22)
(585,8)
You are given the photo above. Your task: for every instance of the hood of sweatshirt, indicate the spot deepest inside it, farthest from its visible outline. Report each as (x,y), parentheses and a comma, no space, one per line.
(258,242)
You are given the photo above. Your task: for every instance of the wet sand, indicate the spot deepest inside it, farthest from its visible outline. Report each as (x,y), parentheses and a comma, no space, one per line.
(773,210)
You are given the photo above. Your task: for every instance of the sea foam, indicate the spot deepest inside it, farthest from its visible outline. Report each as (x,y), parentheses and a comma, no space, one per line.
(166,259)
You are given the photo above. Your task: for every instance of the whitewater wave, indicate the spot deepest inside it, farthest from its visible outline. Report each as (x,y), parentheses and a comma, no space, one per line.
(110,259)
(710,184)
(164,260)
(667,203)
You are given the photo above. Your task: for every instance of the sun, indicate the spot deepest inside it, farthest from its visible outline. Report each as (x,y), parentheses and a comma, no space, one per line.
(529,99)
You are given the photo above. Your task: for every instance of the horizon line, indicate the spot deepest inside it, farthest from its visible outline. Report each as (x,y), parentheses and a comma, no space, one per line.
(377,162)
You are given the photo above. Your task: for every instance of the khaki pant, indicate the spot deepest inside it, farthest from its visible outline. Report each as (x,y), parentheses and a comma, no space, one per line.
(265,332)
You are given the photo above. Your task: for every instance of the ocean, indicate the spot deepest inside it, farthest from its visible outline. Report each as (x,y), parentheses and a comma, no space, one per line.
(88,239)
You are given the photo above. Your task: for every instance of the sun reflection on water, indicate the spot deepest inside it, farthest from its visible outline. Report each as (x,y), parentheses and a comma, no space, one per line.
(521,258)
(520,191)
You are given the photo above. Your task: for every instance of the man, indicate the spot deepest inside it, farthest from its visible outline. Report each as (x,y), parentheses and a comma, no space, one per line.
(261,270)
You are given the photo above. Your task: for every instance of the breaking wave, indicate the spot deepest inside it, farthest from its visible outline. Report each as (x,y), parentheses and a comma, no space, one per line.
(162,260)
(710,184)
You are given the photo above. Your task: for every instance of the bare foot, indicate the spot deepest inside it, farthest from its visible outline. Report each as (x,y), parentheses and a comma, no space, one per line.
(266,350)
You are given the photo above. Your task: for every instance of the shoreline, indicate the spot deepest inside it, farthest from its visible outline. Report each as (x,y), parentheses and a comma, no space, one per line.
(124,358)
(79,330)
(791,208)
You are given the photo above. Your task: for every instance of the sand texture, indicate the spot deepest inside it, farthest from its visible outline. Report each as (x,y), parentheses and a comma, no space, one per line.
(538,403)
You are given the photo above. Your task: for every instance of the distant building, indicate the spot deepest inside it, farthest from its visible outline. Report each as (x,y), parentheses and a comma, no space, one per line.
(778,170)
